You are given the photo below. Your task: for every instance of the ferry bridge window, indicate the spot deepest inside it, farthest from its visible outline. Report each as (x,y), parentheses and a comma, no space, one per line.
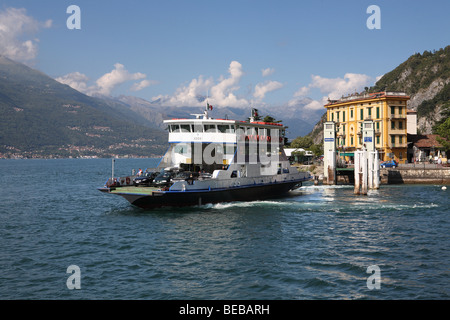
(182,149)
(175,128)
(185,128)
(210,128)
(222,128)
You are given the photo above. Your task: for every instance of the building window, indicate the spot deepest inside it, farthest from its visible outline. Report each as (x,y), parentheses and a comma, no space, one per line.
(370,112)
(393,139)
(378,112)
(392,125)
(351,140)
(332,116)
(400,139)
(343,116)
(400,125)
(400,110)
(337,116)
(378,139)
(392,110)
(362,114)
(378,125)
(351,113)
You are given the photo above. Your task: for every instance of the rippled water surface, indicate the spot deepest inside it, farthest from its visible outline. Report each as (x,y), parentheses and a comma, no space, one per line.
(316,243)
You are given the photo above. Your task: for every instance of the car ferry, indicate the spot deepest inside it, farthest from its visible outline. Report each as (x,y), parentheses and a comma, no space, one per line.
(215,160)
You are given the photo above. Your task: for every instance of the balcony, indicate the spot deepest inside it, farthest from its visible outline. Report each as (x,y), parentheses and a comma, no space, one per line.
(396,116)
(397,131)
(397,145)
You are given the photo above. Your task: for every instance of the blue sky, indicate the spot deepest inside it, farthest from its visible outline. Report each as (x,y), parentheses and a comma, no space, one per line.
(174,50)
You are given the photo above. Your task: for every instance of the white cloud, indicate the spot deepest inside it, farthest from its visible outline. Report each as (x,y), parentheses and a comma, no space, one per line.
(220,93)
(302,92)
(116,77)
(223,93)
(333,88)
(143,84)
(106,84)
(261,89)
(15,27)
(337,87)
(188,95)
(378,78)
(76,80)
(267,72)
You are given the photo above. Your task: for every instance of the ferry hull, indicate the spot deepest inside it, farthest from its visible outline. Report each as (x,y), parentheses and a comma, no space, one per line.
(192,198)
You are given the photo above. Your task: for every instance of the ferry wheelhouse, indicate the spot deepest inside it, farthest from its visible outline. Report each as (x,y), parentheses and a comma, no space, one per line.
(215,160)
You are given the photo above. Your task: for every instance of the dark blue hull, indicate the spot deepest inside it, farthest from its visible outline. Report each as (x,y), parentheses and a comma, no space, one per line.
(192,198)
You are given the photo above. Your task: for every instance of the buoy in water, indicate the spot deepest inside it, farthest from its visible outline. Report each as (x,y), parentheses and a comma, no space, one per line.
(444,188)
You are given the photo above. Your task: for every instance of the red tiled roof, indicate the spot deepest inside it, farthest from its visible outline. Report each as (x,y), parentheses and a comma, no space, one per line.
(427,141)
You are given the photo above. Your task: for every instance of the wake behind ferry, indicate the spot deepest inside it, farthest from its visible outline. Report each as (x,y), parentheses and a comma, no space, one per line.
(211,161)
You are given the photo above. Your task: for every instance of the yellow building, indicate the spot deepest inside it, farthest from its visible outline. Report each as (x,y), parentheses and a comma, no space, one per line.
(388,112)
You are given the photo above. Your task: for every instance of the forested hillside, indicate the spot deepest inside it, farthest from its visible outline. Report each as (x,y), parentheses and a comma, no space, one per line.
(41,117)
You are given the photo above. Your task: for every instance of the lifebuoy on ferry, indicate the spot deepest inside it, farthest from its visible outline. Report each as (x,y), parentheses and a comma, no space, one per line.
(128,180)
(269,138)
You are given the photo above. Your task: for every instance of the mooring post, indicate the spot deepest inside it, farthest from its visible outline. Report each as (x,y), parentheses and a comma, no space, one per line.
(331,167)
(364,172)
(376,166)
(370,166)
(356,172)
(112,169)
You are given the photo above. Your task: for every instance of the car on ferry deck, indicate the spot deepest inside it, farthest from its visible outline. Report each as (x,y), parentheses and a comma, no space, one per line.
(146,179)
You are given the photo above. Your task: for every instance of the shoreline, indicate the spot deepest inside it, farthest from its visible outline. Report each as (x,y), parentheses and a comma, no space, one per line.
(404,174)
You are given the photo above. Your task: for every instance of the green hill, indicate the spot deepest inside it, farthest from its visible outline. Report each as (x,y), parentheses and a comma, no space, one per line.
(426,78)
(41,117)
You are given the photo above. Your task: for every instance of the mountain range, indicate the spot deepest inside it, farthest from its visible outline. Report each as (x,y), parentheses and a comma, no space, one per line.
(42,117)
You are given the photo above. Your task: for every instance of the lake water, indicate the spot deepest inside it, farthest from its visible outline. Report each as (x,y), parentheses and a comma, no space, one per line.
(317,243)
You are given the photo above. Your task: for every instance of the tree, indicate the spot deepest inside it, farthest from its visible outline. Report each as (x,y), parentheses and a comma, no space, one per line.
(317,149)
(271,119)
(443,130)
(302,142)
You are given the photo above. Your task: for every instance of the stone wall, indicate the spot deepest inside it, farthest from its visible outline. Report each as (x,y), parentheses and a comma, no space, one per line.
(415,175)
